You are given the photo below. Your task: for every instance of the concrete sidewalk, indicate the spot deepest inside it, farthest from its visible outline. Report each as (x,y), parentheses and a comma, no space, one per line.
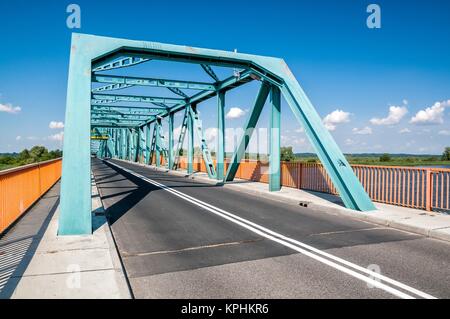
(67,266)
(430,224)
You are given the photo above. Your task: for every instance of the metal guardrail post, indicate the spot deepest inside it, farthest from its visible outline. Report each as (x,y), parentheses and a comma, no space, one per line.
(428,193)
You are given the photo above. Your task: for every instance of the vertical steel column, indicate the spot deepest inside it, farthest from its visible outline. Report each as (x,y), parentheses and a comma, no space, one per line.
(190,121)
(129,142)
(147,144)
(220,149)
(75,203)
(135,144)
(112,142)
(274,156)
(116,143)
(138,145)
(170,155)
(158,142)
(123,143)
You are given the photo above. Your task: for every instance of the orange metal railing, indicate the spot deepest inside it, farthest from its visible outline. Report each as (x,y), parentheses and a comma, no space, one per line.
(22,186)
(421,188)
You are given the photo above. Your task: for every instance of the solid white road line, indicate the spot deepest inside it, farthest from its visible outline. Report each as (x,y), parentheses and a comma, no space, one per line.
(300,247)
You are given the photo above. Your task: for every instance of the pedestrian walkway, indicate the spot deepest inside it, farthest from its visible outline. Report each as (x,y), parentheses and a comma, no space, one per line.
(36,263)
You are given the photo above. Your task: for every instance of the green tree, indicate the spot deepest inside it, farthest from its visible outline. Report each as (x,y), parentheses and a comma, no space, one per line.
(38,153)
(287,154)
(385,157)
(446,154)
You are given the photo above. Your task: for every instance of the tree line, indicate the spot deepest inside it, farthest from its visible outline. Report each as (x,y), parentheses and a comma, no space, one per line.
(34,155)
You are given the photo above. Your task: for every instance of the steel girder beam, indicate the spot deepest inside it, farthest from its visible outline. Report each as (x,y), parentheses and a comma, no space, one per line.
(111,87)
(90,52)
(136,98)
(248,131)
(220,149)
(118,118)
(119,63)
(274,140)
(206,154)
(111,125)
(140,81)
(101,102)
(123,114)
(126,107)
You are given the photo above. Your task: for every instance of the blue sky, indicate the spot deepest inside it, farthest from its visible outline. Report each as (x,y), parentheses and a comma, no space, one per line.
(378,90)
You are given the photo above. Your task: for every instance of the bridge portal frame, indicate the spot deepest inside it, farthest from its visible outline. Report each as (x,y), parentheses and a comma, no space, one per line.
(90,54)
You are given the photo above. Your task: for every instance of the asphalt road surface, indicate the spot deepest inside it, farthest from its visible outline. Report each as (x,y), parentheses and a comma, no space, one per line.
(180,238)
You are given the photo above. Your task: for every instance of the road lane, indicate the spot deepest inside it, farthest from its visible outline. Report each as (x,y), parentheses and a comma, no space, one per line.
(324,231)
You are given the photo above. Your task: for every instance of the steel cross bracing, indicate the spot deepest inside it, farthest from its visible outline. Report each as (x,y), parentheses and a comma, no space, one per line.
(97,108)
(183,130)
(197,127)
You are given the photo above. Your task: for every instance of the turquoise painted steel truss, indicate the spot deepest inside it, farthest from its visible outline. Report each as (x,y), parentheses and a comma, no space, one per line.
(127,118)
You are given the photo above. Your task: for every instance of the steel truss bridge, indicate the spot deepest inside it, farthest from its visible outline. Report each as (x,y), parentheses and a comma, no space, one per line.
(101,121)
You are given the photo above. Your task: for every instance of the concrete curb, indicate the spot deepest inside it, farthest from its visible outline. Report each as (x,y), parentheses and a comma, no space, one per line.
(440,232)
(121,277)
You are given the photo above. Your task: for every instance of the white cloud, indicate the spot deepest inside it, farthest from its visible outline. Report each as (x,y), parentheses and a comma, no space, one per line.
(300,130)
(18,138)
(431,115)
(396,113)
(32,138)
(56,125)
(235,113)
(336,117)
(9,108)
(289,140)
(349,141)
(211,135)
(57,137)
(363,131)
(444,132)
(404,130)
